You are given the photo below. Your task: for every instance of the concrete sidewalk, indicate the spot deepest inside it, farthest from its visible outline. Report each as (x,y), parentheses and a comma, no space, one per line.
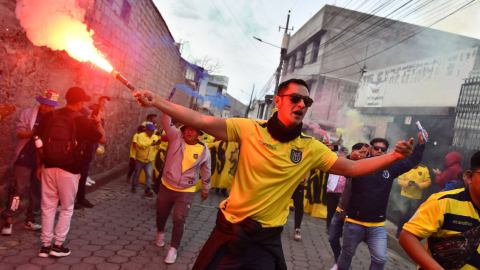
(119,233)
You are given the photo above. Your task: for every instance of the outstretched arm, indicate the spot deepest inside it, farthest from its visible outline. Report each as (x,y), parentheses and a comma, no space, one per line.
(368,166)
(214,126)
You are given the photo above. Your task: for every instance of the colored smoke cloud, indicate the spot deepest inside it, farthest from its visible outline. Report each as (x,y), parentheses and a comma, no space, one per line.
(351,127)
(317,129)
(218,101)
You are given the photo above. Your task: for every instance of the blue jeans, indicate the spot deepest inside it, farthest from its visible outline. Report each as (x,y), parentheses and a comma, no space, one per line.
(147,168)
(374,237)
(334,234)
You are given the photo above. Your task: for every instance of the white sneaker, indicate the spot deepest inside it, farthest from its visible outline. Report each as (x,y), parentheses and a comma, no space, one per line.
(88,184)
(89,180)
(32,226)
(171,255)
(159,241)
(297,235)
(7,229)
(335,267)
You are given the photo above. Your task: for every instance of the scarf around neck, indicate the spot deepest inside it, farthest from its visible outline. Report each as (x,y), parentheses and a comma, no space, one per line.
(279,132)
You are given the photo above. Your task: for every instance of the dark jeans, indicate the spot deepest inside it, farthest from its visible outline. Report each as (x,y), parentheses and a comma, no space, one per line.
(254,257)
(334,234)
(147,168)
(131,166)
(374,237)
(298,204)
(84,168)
(410,206)
(18,188)
(166,199)
(332,202)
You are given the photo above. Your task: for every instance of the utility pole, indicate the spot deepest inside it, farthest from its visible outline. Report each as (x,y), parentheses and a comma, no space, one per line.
(250,103)
(283,51)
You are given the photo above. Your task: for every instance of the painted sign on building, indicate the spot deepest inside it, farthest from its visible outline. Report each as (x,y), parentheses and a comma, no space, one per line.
(430,82)
(375,93)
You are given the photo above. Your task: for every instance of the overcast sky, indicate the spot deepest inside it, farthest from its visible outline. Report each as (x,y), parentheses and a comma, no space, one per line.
(224,30)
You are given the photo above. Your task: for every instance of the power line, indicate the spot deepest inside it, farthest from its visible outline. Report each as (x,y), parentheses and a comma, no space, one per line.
(428,27)
(246,33)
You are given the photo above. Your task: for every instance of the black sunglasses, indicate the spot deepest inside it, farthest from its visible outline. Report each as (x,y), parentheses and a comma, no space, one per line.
(383,149)
(295,98)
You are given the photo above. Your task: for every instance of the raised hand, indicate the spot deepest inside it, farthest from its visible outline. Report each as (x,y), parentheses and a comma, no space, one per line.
(145,98)
(403,149)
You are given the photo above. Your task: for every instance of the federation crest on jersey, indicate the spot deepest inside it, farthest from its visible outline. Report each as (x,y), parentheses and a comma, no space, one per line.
(386,174)
(296,156)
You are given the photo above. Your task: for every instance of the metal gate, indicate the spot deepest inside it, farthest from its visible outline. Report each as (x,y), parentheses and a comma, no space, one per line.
(466,137)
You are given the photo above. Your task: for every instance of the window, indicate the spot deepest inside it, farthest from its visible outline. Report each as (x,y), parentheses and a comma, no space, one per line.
(126,10)
(316,48)
(260,111)
(294,61)
(302,57)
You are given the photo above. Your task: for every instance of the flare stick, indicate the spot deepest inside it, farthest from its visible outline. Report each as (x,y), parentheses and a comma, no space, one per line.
(122,79)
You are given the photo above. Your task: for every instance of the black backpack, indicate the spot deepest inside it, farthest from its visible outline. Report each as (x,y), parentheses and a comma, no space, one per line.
(59,139)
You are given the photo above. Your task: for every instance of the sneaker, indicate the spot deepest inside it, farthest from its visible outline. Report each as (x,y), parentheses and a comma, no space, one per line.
(297,235)
(60,251)
(44,251)
(85,203)
(7,229)
(335,267)
(159,240)
(171,255)
(88,184)
(89,180)
(30,225)
(133,190)
(148,194)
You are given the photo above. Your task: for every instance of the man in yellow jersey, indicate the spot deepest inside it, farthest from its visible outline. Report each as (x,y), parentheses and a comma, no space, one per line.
(147,147)
(443,215)
(187,156)
(413,183)
(367,206)
(274,158)
(133,153)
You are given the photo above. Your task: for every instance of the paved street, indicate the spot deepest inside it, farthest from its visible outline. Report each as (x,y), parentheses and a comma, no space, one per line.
(119,233)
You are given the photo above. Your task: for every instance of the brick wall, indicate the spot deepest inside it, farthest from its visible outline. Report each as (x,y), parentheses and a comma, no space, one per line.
(141,48)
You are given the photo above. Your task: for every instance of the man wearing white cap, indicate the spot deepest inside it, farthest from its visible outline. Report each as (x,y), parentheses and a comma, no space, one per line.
(25,164)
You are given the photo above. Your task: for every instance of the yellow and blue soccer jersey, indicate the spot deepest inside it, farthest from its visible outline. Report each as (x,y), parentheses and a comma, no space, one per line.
(445,214)
(269,171)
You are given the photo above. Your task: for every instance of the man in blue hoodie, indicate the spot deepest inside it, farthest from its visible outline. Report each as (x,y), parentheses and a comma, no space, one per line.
(366,211)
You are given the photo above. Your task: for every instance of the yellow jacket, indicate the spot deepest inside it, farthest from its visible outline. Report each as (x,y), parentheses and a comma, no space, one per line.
(145,151)
(420,176)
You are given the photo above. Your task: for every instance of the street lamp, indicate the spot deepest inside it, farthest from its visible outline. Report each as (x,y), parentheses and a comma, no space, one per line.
(267,42)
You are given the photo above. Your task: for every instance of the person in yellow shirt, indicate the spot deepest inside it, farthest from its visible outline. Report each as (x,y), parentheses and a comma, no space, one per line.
(147,145)
(133,152)
(413,183)
(274,157)
(443,215)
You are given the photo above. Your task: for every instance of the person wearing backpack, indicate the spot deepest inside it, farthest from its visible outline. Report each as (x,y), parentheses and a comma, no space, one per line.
(24,164)
(60,137)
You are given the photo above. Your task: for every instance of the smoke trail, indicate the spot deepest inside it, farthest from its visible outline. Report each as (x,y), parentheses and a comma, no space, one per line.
(316,129)
(218,101)
(351,124)
(58,25)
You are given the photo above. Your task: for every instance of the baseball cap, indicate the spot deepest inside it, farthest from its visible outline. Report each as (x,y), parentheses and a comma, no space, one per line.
(77,94)
(49,97)
(150,126)
(182,128)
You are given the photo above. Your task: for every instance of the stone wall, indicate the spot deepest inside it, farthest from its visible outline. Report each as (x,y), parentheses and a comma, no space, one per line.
(139,45)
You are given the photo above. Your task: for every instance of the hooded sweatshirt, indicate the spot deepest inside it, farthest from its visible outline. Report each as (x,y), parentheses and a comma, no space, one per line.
(453,165)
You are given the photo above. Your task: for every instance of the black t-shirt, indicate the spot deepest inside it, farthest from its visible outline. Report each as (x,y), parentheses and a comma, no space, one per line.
(86,130)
